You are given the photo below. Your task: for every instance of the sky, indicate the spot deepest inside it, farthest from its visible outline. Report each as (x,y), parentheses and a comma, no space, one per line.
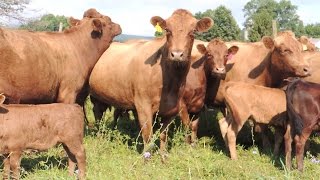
(134,15)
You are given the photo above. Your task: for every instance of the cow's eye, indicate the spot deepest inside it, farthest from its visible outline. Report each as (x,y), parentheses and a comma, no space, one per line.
(168,31)
(191,34)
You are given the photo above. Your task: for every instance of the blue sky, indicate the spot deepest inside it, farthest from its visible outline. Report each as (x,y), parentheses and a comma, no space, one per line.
(134,15)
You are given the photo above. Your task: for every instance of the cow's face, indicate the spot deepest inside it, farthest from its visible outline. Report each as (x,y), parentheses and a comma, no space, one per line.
(217,54)
(287,54)
(180,29)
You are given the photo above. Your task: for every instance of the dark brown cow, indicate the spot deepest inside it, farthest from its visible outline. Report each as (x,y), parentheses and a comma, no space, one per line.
(303,108)
(206,67)
(264,63)
(45,67)
(40,127)
(149,76)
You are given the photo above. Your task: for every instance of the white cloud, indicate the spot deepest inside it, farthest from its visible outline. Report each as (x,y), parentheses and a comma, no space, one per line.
(134,15)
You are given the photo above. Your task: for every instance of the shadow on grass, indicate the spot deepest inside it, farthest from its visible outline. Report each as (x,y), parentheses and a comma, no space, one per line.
(39,161)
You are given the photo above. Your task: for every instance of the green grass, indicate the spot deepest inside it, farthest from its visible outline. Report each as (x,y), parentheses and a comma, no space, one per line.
(114,154)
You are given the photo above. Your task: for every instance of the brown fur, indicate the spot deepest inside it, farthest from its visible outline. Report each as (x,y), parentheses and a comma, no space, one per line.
(264,63)
(92,13)
(206,68)
(303,108)
(147,75)
(41,67)
(40,127)
(246,101)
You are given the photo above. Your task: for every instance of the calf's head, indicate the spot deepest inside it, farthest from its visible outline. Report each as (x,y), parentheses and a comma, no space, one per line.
(180,29)
(287,54)
(217,54)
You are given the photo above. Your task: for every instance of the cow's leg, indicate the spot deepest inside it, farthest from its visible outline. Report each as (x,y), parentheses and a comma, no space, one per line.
(194,129)
(76,153)
(300,141)
(224,124)
(6,167)
(164,137)
(232,133)
(145,121)
(184,116)
(288,142)
(278,138)
(262,130)
(15,164)
(66,95)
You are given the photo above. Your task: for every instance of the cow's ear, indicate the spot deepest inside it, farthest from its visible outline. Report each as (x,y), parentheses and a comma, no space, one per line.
(204,24)
(202,49)
(304,40)
(232,51)
(96,29)
(158,20)
(268,42)
(73,22)
(2,98)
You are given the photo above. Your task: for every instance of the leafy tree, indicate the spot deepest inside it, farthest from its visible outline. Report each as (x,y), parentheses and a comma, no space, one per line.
(260,13)
(48,22)
(313,30)
(12,9)
(225,26)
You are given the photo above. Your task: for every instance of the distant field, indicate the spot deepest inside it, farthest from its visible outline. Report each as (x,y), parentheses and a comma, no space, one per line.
(114,154)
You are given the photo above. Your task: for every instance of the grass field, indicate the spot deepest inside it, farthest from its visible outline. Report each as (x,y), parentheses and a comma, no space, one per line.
(114,154)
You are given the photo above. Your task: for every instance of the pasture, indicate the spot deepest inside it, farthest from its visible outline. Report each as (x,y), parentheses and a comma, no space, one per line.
(114,154)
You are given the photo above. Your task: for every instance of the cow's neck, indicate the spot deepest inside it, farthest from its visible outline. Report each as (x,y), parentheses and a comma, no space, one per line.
(173,84)
(213,83)
(89,50)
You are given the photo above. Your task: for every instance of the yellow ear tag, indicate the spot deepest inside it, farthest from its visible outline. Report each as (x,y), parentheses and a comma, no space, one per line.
(158,28)
(304,47)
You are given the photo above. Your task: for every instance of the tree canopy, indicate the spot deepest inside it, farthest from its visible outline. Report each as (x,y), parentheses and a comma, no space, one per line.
(260,13)
(313,30)
(48,22)
(12,9)
(225,26)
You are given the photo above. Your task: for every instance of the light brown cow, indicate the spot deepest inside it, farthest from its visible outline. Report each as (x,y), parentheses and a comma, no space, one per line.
(149,76)
(264,63)
(207,67)
(40,127)
(45,67)
(262,104)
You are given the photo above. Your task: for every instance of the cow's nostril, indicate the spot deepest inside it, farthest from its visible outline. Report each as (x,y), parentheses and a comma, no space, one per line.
(172,55)
(305,69)
(181,54)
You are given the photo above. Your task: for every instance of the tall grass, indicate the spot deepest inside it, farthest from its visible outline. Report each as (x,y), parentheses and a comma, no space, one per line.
(115,154)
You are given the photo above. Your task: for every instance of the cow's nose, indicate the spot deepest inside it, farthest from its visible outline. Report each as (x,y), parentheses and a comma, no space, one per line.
(307,70)
(177,55)
(220,70)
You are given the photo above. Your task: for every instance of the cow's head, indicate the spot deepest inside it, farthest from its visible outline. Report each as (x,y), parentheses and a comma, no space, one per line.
(287,54)
(101,29)
(217,54)
(180,29)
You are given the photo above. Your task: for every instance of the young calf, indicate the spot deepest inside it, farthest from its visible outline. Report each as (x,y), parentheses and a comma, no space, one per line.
(203,79)
(261,104)
(40,127)
(303,108)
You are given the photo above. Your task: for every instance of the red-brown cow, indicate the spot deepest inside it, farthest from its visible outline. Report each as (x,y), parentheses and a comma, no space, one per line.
(149,76)
(264,63)
(206,69)
(40,127)
(303,109)
(45,67)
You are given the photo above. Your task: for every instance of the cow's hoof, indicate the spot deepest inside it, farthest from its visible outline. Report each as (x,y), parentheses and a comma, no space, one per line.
(164,157)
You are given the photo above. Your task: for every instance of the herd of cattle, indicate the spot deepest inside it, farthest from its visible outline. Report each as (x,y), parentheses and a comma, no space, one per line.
(172,75)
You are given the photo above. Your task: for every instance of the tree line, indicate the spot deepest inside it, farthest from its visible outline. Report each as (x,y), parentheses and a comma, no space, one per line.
(258,20)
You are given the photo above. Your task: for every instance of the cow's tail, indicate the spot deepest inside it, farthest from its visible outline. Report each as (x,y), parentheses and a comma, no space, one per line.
(293,116)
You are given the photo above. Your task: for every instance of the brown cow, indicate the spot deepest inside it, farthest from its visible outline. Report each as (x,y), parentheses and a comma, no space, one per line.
(149,76)
(303,108)
(40,127)
(45,67)
(206,68)
(264,63)
(262,104)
